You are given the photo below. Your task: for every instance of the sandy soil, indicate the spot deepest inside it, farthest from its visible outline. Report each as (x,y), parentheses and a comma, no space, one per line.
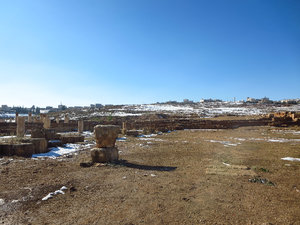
(183,177)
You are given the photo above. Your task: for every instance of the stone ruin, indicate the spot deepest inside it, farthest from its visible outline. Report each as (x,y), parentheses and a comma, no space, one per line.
(42,136)
(20,126)
(284,118)
(29,117)
(67,119)
(105,150)
(80,126)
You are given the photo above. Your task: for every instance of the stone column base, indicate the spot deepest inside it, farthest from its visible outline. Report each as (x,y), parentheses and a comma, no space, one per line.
(104,155)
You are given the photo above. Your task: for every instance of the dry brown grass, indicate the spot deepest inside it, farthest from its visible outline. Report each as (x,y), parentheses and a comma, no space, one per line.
(209,183)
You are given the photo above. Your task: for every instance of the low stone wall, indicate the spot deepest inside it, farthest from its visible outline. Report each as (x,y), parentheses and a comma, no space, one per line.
(10,128)
(22,149)
(163,124)
(25,147)
(71,139)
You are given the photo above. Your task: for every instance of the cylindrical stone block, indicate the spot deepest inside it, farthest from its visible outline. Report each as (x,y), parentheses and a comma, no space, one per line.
(17,115)
(104,155)
(20,126)
(106,135)
(80,126)
(66,119)
(47,122)
(29,117)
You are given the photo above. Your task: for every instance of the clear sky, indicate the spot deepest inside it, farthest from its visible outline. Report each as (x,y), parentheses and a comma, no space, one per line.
(142,51)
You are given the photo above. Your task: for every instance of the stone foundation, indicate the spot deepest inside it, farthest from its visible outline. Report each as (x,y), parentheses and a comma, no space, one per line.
(103,155)
(22,149)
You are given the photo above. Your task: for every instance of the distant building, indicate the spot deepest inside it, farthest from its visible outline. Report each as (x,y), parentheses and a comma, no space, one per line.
(98,105)
(172,102)
(61,107)
(210,100)
(252,100)
(265,100)
(187,101)
(289,101)
(4,107)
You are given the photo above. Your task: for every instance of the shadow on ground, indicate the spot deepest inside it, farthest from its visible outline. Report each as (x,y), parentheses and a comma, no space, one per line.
(144,167)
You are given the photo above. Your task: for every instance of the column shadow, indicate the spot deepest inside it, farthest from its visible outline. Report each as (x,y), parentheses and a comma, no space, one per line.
(144,167)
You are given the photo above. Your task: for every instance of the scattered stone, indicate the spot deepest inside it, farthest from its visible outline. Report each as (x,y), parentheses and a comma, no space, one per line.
(86,164)
(2,202)
(72,189)
(261,181)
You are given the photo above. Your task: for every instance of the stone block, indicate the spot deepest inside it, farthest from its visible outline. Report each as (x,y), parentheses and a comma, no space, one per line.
(47,122)
(106,135)
(67,119)
(50,134)
(29,117)
(20,126)
(80,126)
(65,139)
(21,149)
(133,133)
(40,145)
(104,155)
(37,133)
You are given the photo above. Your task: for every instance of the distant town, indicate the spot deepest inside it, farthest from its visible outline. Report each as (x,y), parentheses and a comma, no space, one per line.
(5,109)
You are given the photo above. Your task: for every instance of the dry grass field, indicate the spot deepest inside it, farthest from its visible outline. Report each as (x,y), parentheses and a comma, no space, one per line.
(183,177)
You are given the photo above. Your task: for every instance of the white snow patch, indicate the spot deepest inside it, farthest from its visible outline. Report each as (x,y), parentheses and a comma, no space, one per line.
(225,143)
(147,135)
(87,134)
(8,137)
(60,151)
(50,195)
(240,139)
(122,139)
(120,114)
(291,159)
(150,139)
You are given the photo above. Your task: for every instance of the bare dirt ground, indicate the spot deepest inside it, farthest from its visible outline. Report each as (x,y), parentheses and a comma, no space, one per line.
(182,177)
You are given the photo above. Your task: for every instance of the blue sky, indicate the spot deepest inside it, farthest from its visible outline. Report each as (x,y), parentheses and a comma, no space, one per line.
(144,51)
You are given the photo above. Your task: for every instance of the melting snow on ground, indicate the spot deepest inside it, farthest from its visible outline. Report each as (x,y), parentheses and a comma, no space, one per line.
(60,151)
(147,135)
(278,140)
(225,143)
(208,109)
(150,139)
(122,139)
(294,132)
(291,159)
(60,191)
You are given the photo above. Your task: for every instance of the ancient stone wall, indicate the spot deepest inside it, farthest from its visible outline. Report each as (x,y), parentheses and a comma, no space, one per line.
(10,128)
